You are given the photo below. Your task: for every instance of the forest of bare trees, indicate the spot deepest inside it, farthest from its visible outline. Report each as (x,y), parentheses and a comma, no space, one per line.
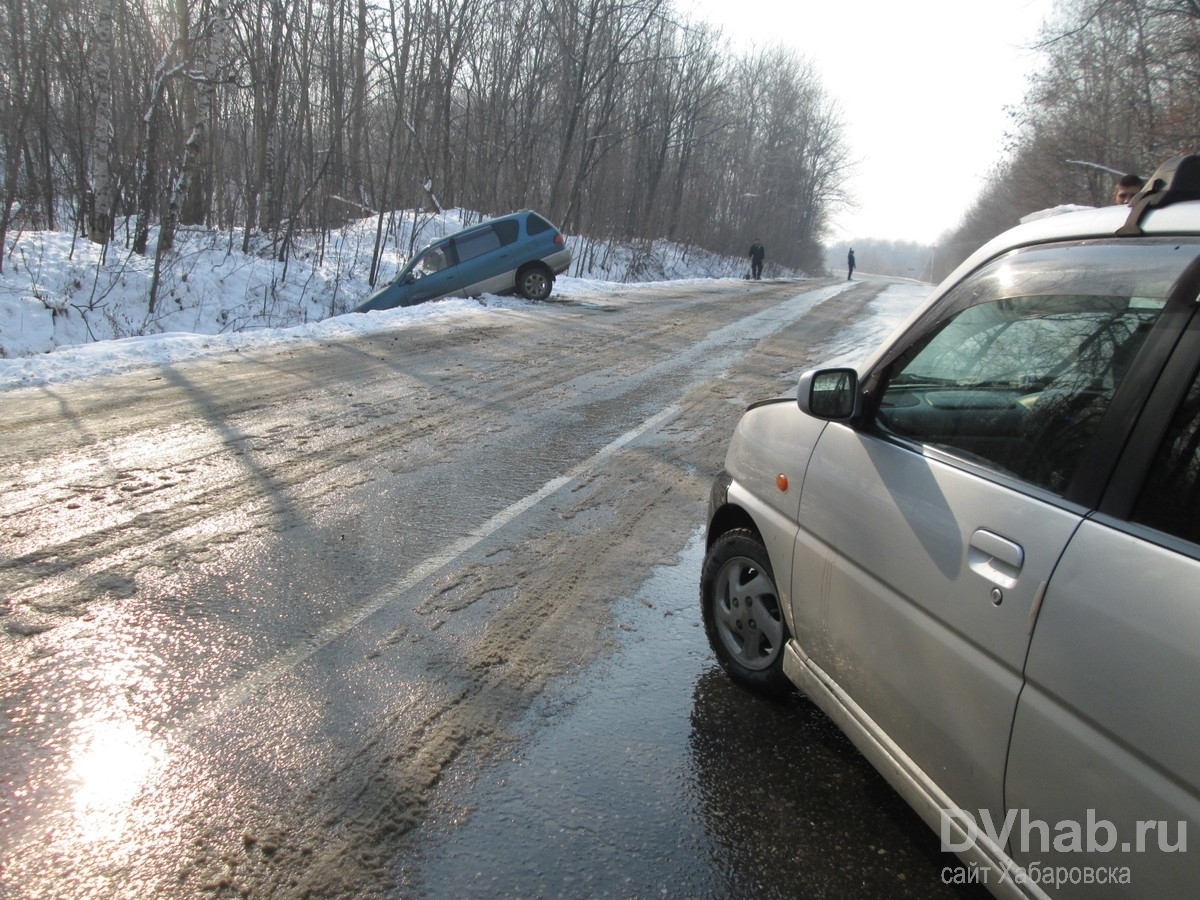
(127,119)
(1118,91)
(123,120)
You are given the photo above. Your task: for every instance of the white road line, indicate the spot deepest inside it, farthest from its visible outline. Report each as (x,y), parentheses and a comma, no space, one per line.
(285,662)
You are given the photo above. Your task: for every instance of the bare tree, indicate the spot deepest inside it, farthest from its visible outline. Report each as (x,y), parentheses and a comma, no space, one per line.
(1119,88)
(100,224)
(16,107)
(594,39)
(608,115)
(216,30)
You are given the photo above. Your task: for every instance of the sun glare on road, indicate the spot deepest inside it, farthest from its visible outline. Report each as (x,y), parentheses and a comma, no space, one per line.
(111,760)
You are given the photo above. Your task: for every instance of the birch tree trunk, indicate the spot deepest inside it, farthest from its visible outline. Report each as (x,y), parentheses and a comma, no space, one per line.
(193,150)
(100,220)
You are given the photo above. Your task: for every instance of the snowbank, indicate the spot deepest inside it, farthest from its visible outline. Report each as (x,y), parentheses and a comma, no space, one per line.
(69,308)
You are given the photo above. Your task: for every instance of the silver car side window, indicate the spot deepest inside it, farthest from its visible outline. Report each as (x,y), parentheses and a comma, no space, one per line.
(1019,375)
(1170,496)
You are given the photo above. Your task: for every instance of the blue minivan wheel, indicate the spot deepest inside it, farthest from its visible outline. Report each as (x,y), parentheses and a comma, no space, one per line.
(534,283)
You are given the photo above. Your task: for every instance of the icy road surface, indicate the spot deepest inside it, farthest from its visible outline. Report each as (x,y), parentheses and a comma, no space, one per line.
(259,609)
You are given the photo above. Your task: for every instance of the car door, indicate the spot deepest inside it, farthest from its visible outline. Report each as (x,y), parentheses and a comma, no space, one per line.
(930,529)
(433,274)
(487,259)
(1104,774)
(477,258)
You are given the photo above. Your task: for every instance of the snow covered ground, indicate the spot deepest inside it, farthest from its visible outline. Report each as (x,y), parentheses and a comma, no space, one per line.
(68,312)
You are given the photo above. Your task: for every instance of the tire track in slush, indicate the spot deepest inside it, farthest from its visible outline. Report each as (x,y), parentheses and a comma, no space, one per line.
(514,660)
(706,359)
(74,548)
(632,478)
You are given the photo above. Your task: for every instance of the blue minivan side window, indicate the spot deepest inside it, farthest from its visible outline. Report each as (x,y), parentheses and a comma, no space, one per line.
(509,230)
(433,260)
(535,224)
(476,243)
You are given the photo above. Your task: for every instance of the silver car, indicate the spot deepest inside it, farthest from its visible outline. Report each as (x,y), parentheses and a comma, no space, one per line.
(979,553)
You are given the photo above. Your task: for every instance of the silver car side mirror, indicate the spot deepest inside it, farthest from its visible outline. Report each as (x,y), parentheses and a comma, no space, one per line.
(829,394)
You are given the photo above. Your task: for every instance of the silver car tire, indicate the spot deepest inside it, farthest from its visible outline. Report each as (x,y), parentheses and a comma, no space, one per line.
(534,283)
(743,615)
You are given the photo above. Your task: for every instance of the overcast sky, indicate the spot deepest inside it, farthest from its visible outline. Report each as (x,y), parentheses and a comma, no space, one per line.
(922,85)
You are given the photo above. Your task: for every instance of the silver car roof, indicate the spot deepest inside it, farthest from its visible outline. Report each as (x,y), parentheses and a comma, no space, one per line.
(1178,218)
(1050,226)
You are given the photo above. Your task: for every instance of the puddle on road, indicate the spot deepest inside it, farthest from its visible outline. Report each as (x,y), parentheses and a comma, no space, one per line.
(657,776)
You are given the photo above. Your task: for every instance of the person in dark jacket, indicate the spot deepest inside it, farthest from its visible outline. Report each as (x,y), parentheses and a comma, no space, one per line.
(850,264)
(757,252)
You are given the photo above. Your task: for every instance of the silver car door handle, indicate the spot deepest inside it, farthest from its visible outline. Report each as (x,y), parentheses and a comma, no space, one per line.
(996,558)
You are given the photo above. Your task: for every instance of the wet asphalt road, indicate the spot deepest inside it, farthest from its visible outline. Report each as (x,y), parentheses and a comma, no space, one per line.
(415,616)
(656,776)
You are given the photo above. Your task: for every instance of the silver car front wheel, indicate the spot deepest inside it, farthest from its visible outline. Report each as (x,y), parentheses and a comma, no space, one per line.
(743,615)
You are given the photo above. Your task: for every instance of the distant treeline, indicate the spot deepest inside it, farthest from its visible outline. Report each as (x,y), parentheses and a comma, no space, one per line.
(1117,91)
(615,118)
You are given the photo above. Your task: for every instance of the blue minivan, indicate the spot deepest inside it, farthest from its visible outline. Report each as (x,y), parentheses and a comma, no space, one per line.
(514,254)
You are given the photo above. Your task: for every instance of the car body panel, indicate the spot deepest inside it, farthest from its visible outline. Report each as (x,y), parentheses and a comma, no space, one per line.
(918,788)
(487,264)
(417,282)
(1116,645)
(483,259)
(773,439)
(906,547)
(439,284)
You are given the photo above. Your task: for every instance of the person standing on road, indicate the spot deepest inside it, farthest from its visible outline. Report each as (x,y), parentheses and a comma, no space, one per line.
(850,264)
(757,252)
